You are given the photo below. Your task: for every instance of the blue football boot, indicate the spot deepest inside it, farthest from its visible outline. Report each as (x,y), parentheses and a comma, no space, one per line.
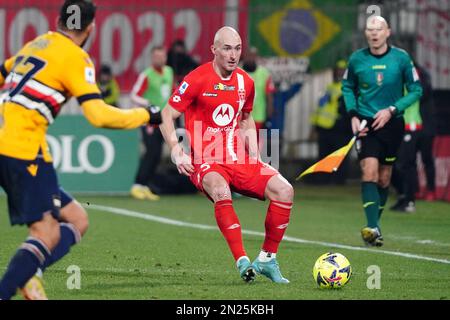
(246,270)
(270,269)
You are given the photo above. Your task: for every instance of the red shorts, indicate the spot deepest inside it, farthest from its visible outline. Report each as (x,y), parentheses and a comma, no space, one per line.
(247,179)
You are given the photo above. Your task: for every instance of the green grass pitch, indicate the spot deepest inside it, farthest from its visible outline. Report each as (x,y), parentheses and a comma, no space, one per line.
(125,257)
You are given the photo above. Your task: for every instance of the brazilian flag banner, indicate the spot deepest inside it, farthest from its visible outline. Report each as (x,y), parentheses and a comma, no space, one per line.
(320,30)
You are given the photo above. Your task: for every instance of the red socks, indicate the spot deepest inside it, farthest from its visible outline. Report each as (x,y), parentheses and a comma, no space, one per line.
(277,220)
(230,227)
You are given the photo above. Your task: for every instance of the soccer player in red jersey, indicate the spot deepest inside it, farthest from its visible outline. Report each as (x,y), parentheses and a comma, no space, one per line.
(217,100)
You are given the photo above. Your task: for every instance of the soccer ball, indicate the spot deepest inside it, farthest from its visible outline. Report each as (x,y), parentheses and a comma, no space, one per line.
(332,270)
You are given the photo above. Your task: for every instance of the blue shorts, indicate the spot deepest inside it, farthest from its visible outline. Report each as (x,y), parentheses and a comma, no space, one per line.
(32,189)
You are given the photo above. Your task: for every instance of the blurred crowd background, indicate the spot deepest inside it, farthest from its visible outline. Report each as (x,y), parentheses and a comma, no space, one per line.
(302,43)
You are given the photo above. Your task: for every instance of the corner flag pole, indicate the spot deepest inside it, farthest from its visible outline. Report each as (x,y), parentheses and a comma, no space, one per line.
(332,162)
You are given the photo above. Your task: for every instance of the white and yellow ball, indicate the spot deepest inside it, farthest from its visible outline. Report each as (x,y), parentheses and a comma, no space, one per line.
(332,270)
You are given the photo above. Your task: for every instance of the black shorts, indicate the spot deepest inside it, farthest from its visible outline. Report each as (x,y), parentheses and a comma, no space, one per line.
(383,143)
(32,189)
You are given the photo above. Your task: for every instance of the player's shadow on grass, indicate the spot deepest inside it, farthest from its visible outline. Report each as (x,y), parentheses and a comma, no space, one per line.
(120,279)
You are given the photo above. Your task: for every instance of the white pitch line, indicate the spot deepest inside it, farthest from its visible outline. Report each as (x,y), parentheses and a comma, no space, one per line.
(145,216)
(420,241)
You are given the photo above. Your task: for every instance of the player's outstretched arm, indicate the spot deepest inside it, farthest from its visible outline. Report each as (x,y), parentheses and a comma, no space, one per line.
(102,115)
(169,115)
(181,159)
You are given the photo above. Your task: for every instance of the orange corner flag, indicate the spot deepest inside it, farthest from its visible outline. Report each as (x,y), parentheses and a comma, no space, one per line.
(332,162)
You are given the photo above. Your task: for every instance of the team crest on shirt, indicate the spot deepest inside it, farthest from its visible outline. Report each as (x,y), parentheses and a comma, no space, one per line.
(241,94)
(223,114)
(380,78)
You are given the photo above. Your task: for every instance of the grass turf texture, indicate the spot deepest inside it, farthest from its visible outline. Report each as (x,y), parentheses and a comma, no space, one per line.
(130,258)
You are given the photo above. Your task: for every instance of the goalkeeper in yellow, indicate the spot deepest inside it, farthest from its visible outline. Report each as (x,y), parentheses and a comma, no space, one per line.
(38,80)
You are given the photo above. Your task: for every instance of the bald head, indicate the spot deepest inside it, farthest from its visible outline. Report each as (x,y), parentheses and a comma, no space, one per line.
(227,51)
(226,34)
(376,22)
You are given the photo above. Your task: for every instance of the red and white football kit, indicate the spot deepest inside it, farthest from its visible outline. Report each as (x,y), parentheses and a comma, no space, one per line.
(212,108)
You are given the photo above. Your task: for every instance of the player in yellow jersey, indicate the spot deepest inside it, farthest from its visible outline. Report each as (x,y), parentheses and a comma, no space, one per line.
(39,79)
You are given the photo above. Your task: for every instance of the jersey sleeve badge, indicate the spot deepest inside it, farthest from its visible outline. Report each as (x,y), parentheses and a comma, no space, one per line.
(183,87)
(89,75)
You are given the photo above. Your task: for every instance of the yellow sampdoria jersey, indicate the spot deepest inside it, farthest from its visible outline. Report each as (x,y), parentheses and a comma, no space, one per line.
(38,80)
